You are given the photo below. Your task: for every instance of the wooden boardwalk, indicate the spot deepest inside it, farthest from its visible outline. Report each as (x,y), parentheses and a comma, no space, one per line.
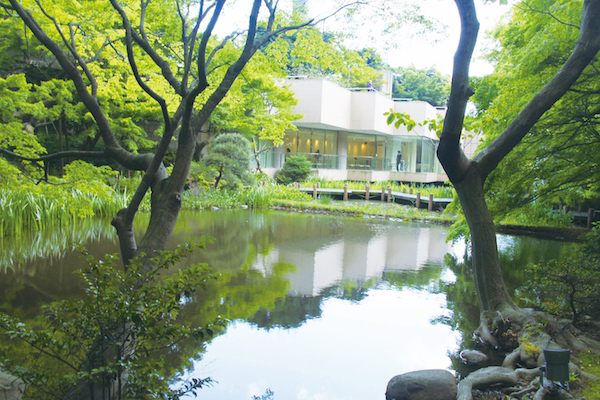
(376,195)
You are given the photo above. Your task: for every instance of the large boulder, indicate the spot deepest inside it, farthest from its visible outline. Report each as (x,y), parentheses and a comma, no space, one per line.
(11,388)
(432,384)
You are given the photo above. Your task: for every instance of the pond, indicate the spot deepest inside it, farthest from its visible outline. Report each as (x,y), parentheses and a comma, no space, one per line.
(320,307)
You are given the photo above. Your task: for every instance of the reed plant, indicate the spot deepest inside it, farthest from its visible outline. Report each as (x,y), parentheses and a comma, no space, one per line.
(258,197)
(24,210)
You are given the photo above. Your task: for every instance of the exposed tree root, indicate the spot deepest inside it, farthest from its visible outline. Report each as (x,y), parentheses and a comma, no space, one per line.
(525,334)
(493,376)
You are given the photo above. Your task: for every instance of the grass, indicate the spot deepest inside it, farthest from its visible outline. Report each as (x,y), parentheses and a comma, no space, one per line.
(425,189)
(257,197)
(23,211)
(367,208)
(537,214)
(590,363)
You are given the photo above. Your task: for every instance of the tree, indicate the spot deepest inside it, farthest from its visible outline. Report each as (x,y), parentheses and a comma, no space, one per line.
(173,66)
(469,176)
(557,162)
(229,154)
(295,169)
(421,84)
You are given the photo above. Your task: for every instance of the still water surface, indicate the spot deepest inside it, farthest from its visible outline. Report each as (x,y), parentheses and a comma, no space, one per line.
(321,307)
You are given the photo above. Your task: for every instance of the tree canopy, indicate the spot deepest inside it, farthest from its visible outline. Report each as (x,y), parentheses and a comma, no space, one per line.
(557,162)
(421,84)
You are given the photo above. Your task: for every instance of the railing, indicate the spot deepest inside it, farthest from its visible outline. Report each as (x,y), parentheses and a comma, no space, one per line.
(332,161)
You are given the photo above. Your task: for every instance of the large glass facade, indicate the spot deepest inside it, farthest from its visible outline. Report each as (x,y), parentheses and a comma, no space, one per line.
(363,151)
(311,141)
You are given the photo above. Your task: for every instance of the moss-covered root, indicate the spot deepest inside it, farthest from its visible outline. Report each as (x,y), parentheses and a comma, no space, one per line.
(490,376)
(547,394)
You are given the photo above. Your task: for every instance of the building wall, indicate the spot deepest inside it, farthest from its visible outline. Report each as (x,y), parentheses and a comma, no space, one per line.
(345,133)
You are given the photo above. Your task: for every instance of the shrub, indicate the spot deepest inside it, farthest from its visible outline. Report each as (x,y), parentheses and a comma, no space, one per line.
(125,313)
(570,285)
(229,156)
(296,169)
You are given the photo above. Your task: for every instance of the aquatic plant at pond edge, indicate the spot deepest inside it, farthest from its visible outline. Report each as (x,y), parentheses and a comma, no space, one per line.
(23,211)
(57,351)
(261,196)
(365,208)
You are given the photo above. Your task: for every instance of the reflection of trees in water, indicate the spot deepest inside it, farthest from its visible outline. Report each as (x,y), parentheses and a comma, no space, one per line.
(426,278)
(35,249)
(289,312)
(292,311)
(234,295)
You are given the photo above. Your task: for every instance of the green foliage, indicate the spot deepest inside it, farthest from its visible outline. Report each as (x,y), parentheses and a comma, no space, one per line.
(368,208)
(537,214)
(398,119)
(569,285)
(589,362)
(229,156)
(557,161)
(311,53)
(424,189)
(258,106)
(82,194)
(125,318)
(258,197)
(421,84)
(323,199)
(296,169)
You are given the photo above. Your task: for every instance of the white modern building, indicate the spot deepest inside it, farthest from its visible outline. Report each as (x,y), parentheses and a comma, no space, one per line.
(345,134)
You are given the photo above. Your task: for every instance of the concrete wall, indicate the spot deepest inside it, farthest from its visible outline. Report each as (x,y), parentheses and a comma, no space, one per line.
(326,105)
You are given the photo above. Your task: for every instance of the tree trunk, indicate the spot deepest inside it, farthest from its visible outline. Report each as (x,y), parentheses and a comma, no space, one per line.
(468,176)
(491,289)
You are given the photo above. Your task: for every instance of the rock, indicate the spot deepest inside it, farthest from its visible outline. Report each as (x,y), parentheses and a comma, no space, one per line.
(433,384)
(11,387)
(473,357)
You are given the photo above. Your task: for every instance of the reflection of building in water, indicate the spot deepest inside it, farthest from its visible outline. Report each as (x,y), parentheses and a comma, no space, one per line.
(360,258)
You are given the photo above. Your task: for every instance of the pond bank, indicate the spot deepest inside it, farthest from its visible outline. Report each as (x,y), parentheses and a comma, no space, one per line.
(539,232)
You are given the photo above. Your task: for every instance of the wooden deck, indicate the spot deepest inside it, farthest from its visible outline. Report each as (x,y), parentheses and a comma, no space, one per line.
(376,195)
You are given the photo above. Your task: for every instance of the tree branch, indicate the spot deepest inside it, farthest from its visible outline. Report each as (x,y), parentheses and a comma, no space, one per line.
(55,156)
(547,12)
(449,152)
(114,149)
(586,48)
(159,61)
(72,48)
(131,57)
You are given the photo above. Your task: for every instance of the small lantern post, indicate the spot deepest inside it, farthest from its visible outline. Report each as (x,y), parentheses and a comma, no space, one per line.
(556,368)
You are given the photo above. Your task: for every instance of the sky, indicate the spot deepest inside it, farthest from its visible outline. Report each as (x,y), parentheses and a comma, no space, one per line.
(431,49)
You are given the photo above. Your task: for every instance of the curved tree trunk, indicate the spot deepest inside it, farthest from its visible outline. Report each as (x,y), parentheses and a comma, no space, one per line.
(468,176)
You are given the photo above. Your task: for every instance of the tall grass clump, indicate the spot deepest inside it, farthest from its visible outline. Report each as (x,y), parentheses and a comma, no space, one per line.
(23,211)
(260,196)
(83,193)
(538,214)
